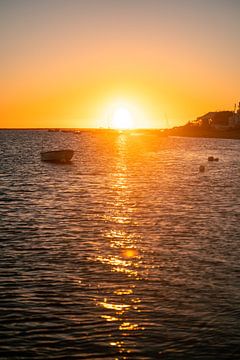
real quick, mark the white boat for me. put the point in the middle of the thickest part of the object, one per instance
(58, 156)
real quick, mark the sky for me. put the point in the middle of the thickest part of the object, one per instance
(71, 63)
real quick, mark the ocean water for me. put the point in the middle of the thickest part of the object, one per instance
(129, 252)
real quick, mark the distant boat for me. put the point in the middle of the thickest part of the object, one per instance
(57, 156)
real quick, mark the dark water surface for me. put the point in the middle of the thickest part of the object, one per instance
(127, 253)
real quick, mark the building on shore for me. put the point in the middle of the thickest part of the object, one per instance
(219, 120)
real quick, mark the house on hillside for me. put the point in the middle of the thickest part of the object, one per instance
(219, 120)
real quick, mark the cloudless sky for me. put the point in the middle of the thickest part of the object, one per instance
(64, 63)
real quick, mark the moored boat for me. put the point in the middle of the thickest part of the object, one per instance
(59, 156)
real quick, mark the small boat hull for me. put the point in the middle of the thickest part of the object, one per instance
(57, 156)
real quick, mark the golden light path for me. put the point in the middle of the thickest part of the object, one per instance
(121, 305)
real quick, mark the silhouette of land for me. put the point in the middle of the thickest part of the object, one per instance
(190, 131)
(218, 124)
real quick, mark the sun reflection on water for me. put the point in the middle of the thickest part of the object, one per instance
(122, 256)
(129, 253)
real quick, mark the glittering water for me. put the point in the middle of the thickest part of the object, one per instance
(127, 253)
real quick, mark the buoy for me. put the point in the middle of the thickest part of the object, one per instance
(201, 168)
(210, 158)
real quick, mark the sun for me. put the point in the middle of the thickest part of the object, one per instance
(122, 118)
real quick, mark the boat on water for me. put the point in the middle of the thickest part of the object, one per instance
(57, 156)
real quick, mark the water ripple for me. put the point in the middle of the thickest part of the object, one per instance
(127, 253)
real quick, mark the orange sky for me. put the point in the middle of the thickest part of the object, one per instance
(67, 63)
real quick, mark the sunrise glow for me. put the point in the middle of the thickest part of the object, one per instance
(62, 71)
(122, 119)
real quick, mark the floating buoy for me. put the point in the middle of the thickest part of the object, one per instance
(210, 158)
(201, 168)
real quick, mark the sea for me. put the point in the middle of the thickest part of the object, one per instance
(128, 252)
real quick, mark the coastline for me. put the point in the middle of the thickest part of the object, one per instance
(181, 131)
(192, 131)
